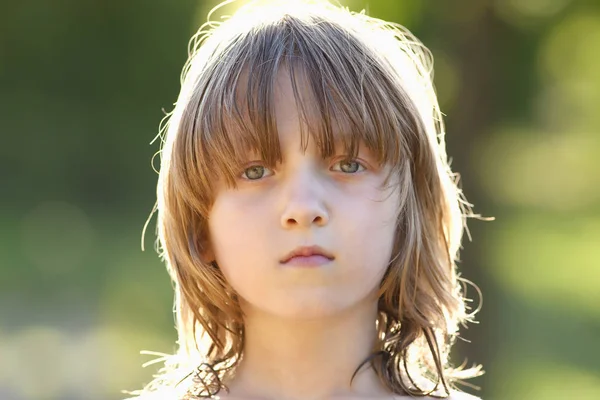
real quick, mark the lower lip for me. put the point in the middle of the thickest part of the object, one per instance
(309, 261)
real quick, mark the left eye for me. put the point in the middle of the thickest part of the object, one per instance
(348, 166)
(256, 172)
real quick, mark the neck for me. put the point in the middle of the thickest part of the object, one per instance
(290, 359)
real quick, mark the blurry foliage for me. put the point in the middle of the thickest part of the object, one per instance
(82, 89)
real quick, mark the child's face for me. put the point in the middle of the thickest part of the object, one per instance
(305, 200)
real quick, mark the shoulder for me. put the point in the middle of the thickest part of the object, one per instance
(454, 395)
(462, 396)
(154, 395)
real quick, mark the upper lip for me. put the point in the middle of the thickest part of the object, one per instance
(306, 251)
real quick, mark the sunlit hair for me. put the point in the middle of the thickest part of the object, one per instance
(356, 79)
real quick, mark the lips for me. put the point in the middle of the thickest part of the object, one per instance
(308, 252)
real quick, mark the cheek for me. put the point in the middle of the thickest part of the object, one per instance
(372, 214)
(232, 218)
(237, 236)
(368, 232)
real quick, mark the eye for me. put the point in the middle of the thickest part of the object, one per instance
(348, 166)
(256, 172)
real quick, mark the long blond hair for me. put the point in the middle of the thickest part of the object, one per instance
(375, 78)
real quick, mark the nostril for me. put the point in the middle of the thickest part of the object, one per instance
(304, 219)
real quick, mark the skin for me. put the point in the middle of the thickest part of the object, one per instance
(307, 329)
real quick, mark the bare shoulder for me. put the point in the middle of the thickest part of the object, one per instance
(453, 396)
(462, 396)
(155, 395)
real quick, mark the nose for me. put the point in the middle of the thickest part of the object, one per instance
(304, 200)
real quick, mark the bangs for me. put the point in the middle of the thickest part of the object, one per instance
(343, 91)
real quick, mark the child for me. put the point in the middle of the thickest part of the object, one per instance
(307, 214)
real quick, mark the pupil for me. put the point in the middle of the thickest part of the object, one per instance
(353, 166)
(255, 172)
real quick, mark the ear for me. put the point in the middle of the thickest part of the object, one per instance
(201, 248)
(207, 253)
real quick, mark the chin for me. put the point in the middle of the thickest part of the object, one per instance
(305, 306)
(308, 311)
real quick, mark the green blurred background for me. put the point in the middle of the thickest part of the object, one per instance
(82, 88)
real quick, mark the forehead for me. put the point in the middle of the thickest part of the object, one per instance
(313, 74)
(295, 111)
(290, 110)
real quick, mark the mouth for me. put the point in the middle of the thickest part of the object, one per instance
(307, 256)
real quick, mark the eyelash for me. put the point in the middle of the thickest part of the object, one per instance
(347, 160)
(352, 160)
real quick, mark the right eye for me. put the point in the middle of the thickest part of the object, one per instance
(256, 172)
